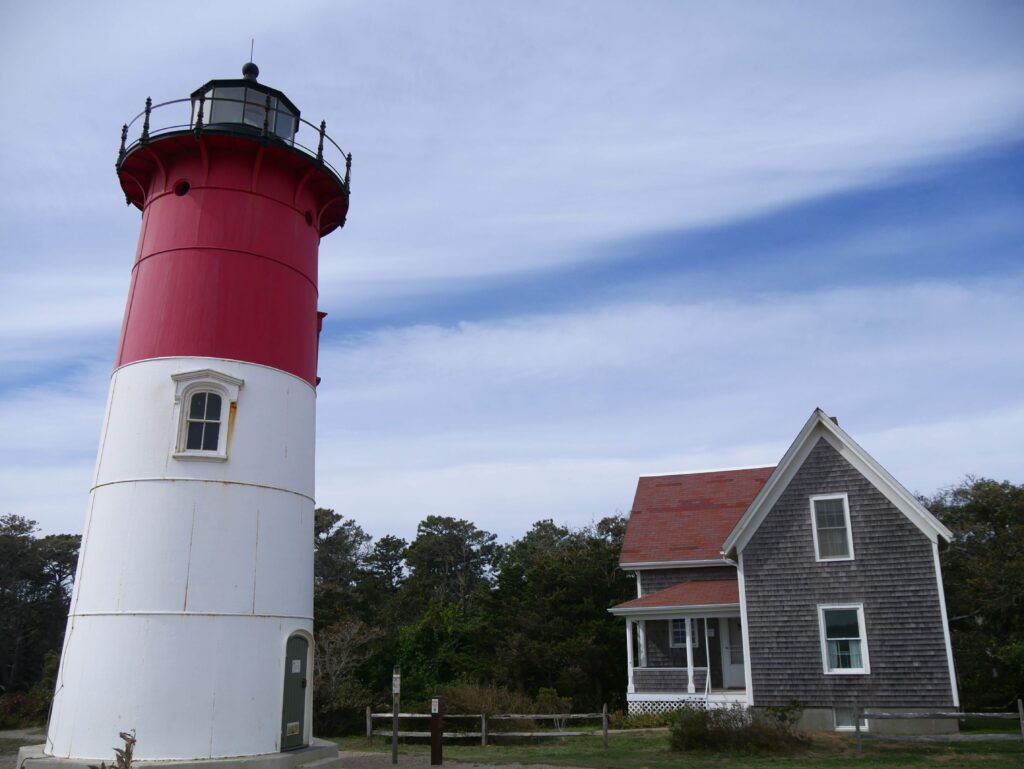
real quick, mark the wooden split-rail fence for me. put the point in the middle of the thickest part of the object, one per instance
(863, 713)
(484, 734)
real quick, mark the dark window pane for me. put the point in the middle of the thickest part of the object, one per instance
(197, 406)
(832, 543)
(211, 435)
(212, 407)
(841, 623)
(829, 513)
(194, 442)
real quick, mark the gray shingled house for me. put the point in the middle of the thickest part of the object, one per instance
(816, 580)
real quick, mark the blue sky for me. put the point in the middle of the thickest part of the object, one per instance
(587, 240)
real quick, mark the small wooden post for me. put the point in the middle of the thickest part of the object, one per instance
(396, 689)
(1020, 715)
(856, 727)
(369, 727)
(604, 725)
(436, 727)
(483, 729)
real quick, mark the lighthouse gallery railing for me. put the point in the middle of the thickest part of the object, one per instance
(198, 107)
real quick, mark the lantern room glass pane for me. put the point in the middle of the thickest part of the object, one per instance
(285, 124)
(227, 105)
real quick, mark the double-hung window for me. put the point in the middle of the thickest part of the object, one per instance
(677, 634)
(844, 645)
(204, 403)
(830, 522)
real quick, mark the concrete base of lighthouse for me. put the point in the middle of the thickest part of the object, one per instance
(319, 754)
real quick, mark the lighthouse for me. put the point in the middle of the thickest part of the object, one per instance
(191, 619)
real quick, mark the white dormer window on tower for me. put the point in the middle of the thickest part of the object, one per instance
(203, 404)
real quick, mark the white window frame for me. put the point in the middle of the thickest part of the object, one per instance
(849, 529)
(694, 638)
(190, 383)
(862, 631)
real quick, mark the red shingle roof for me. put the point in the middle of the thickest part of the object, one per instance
(687, 517)
(704, 592)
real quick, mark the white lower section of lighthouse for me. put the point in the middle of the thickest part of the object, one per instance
(196, 567)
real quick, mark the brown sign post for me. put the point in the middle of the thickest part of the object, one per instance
(435, 731)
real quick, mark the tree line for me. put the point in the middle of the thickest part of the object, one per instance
(523, 622)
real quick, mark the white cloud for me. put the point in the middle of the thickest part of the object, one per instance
(508, 422)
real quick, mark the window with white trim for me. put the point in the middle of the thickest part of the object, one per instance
(202, 429)
(830, 521)
(677, 635)
(844, 645)
(203, 403)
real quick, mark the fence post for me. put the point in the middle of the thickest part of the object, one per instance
(604, 725)
(856, 726)
(369, 727)
(483, 729)
(1020, 715)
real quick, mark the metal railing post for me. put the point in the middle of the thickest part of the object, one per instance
(124, 140)
(320, 145)
(145, 123)
(199, 116)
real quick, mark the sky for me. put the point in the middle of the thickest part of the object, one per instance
(587, 240)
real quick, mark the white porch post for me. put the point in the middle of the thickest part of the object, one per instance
(629, 655)
(689, 657)
(641, 642)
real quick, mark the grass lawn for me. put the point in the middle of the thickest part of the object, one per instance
(651, 751)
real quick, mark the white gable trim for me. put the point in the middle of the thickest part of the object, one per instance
(821, 426)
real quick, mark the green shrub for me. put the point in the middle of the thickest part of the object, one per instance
(734, 729)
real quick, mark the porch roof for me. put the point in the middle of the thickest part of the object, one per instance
(702, 593)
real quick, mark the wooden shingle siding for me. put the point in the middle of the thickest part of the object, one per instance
(653, 580)
(652, 680)
(661, 654)
(892, 575)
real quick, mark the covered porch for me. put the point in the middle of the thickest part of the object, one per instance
(685, 644)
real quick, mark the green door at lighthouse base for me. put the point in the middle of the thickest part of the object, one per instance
(293, 717)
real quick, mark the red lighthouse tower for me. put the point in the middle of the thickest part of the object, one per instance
(191, 619)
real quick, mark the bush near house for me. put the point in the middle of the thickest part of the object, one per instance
(737, 729)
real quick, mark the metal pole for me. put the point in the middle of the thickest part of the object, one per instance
(396, 689)
(604, 725)
(483, 729)
(369, 727)
(856, 727)
(1020, 715)
(320, 146)
(436, 726)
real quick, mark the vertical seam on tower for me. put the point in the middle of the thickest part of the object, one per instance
(188, 566)
(256, 559)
